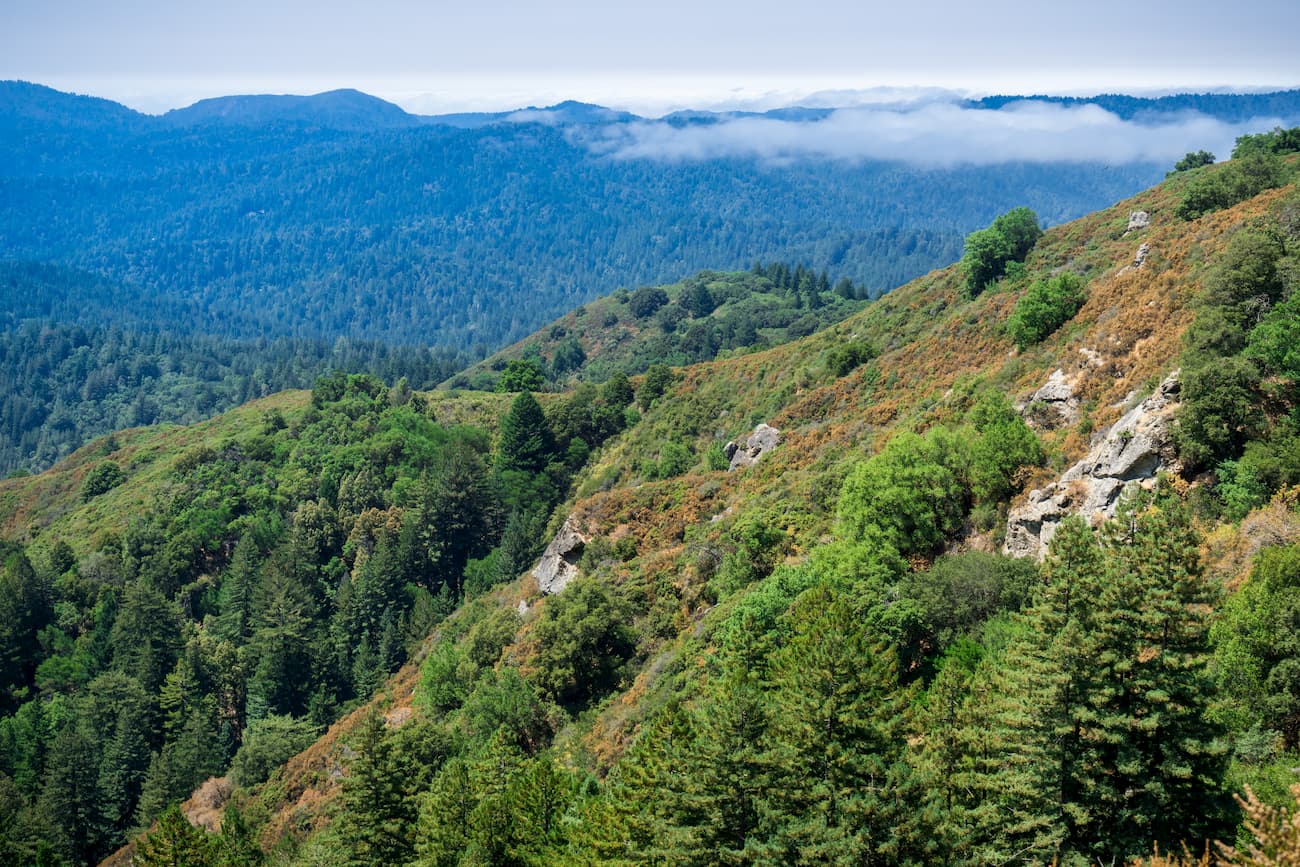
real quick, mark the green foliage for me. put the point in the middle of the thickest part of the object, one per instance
(657, 381)
(101, 479)
(843, 359)
(378, 815)
(1257, 649)
(910, 490)
(1275, 141)
(269, 743)
(1225, 186)
(525, 443)
(961, 592)
(984, 257)
(1020, 227)
(1045, 307)
(1124, 621)
(1193, 160)
(521, 374)
(175, 842)
(675, 458)
(583, 641)
(1005, 445)
(988, 251)
(646, 301)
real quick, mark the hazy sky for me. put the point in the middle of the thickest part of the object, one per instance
(649, 57)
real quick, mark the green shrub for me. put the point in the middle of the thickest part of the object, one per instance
(849, 356)
(988, 251)
(269, 743)
(103, 477)
(1235, 182)
(1045, 307)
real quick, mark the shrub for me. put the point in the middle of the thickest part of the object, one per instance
(1045, 307)
(269, 743)
(583, 640)
(102, 478)
(521, 374)
(847, 357)
(1009, 239)
(646, 300)
(1235, 182)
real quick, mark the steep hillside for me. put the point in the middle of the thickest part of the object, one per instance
(667, 543)
(736, 647)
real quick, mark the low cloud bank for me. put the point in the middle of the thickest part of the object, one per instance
(936, 135)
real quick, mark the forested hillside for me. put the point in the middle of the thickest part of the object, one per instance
(815, 656)
(289, 236)
(468, 238)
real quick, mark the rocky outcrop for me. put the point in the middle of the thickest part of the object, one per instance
(760, 442)
(1138, 220)
(1139, 258)
(1133, 450)
(559, 563)
(1054, 404)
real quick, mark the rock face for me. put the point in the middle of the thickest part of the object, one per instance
(1138, 220)
(559, 563)
(1139, 258)
(762, 440)
(1056, 395)
(1134, 449)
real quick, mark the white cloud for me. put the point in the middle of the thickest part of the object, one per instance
(936, 134)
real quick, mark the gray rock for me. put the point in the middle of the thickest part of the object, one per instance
(760, 442)
(559, 563)
(1138, 220)
(1058, 394)
(1133, 450)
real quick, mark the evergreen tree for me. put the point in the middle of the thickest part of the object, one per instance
(525, 442)
(70, 797)
(175, 843)
(379, 810)
(836, 734)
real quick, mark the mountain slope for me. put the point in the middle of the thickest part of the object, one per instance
(935, 348)
(702, 604)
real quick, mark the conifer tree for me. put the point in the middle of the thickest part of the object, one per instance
(174, 843)
(70, 797)
(379, 811)
(836, 732)
(525, 442)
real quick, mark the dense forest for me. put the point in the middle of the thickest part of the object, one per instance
(704, 317)
(69, 375)
(468, 238)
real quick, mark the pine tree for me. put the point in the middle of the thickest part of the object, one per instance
(444, 816)
(235, 622)
(525, 442)
(70, 797)
(379, 811)
(174, 843)
(836, 733)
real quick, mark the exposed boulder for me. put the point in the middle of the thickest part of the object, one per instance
(1134, 450)
(559, 563)
(1138, 220)
(1057, 397)
(762, 440)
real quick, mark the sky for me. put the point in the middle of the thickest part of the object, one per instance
(436, 56)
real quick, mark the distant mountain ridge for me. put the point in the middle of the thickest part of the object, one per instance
(350, 110)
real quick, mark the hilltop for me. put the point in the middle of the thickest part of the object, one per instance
(654, 702)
